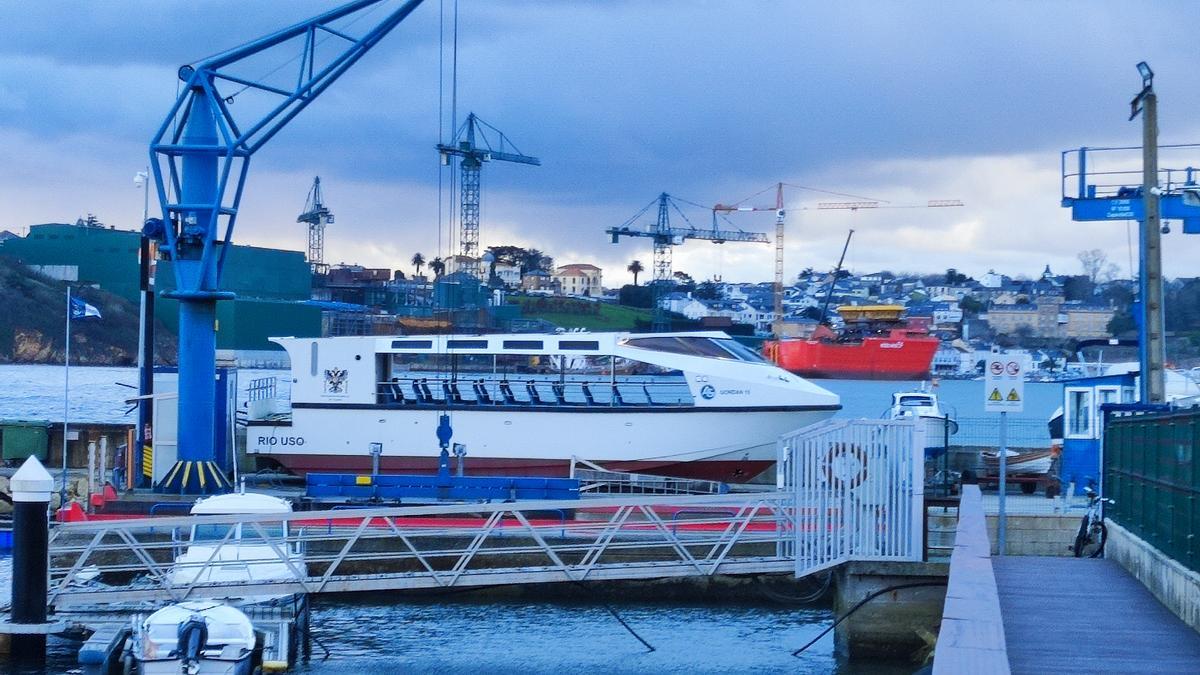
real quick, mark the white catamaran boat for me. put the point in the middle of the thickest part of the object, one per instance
(694, 405)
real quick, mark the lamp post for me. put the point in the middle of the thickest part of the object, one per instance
(144, 435)
(1151, 345)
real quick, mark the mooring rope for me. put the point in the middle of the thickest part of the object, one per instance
(862, 602)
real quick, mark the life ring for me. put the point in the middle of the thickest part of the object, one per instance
(840, 454)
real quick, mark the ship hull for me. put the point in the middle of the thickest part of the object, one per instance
(685, 443)
(907, 358)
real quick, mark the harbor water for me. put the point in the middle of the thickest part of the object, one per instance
(462, 633)
(465, 635)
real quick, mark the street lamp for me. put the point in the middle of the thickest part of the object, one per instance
(1146, 73)
(144, 436)
(1151, 345)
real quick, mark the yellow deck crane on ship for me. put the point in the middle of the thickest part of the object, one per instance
(781, 218)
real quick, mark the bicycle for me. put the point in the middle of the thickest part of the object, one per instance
(1089, 542)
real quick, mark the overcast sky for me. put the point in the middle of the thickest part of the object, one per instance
(710, 101)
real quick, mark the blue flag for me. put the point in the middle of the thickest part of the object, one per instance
(82, 310)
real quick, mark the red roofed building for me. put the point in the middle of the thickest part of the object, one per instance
(579, 279)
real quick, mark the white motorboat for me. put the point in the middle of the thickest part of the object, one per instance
(924, 406)
(201, 637)
(243, 552)
(692, 405)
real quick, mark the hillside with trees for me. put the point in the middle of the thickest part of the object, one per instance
(32, 324)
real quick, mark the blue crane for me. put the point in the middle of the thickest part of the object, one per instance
(665, 237)
(202, 147)
(471, 156)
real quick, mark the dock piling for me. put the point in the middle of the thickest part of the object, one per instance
(31, 488)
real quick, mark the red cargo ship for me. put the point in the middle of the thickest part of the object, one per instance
(874, 346)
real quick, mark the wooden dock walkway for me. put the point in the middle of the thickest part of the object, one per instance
(1080, 615)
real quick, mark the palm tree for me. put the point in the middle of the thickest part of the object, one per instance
(418, 260)
(438, 266)
(636, 268)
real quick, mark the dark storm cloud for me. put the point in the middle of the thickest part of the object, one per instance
(624, 99)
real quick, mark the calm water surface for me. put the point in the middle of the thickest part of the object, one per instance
(461, 636)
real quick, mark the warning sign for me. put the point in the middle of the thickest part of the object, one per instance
(1005, 373)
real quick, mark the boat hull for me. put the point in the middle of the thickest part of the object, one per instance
(684, 443)
(204, 666)
(874, 358)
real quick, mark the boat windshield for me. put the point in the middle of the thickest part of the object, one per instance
(714, 348)
(218, 532)
(915, 401)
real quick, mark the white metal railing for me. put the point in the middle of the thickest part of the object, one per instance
(597, 481)
(420, 547)
(848, 490)
(857, 488)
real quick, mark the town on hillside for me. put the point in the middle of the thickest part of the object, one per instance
(517, 289)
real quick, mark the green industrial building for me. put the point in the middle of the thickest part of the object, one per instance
(272, 285)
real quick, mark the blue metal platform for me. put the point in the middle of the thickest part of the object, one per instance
(424, 488)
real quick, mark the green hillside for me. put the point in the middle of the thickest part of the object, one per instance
(572, 313)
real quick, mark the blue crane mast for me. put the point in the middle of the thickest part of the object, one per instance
(472, 155)
(664, 237)
(200, 149)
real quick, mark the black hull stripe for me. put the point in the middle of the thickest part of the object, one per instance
(557, 409)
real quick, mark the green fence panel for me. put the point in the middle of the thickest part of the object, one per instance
(1150, 470)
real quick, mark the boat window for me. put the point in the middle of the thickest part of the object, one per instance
(1079, 413)
(691, 346)
(312, 366)
(578, 345)
(915, 401)
(466, 344)
(418, 363)
(629, 367)
(588, 367)
(741, 351)
(212, 532)
(475, 363)
(412, 344)
(523, 344)
(271, 530)
(521, 364)
(716, 348)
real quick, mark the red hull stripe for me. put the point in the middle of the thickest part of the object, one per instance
(729, 471)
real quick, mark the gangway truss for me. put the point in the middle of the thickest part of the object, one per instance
(848, 490)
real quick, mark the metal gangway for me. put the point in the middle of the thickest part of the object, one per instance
(848, 490)
(597, 480)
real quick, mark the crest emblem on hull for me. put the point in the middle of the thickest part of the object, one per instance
(335, 380)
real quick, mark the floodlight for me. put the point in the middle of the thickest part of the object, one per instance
(1146, 73)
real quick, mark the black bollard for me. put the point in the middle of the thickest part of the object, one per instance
(31, 487)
